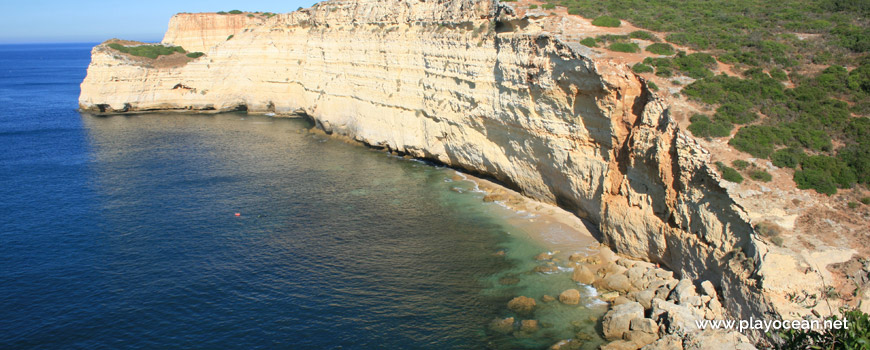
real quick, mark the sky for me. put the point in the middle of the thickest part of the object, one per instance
(53, 21)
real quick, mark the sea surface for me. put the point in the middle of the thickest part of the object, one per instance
(235, 231)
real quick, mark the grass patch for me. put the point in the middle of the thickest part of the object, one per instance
(740, 164)
(661, 49)
(589, 42)
(624, 47)
(760, 175)
(652, 86)
(533, 6)
(548, 6)
(865, 200)
(728, 173)
(642, 68)
(149, 51)
(606, 21)
(643, 35)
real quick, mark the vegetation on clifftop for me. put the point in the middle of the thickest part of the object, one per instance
(802, 94)
(149, 51)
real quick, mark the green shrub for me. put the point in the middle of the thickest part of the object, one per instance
(740, 164)
(757, 140)
(728, 173)
(221, 12)
(702, 126)
(760, 175)
(778, 74)
(852, 205)
(815, 179)
(856, 336)
(533, 6)
(787, 157)
(606, 21)
(624, 47)
(230, 37)
(661, 49)
(195, 54)
(839, 172)
(736, 112)
(250, 15)
(664, 72)
(149, 51)
(643, 35)
(652, 86)
(642, 68)
(548, 6)
(590, 42)
(235, 12)
(865, 200)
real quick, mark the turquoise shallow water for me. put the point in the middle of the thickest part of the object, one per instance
(120, 232)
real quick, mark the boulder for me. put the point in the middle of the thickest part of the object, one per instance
(609, 296)
(682, 291)
(668, 342)
(644, 325)
(543, 256)
(641, 339)
(612, 269)
(637, 277)
(620, 345)
(577, 257)
(617, 321)
(619, 300)
(678, 318)
(645, 298)
(709, 289)
(570, 297)
(617, 283)
(522, 305)
(503, 326)
(583, 275)
(717, 340)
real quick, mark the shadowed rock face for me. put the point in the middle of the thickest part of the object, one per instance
(468, 84)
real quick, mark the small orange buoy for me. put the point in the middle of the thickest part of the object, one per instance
(238, 214)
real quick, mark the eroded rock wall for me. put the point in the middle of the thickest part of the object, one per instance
(200, 31)
(440, 80)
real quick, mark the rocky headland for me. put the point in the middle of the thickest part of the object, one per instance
(473, 85)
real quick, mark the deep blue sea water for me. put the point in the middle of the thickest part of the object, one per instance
(120, 231)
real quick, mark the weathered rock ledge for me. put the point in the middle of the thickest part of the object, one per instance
(468, 84)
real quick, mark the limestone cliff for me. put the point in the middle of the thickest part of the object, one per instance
(469, 84)
(201, 31)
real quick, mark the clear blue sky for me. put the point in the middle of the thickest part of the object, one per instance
(96, 20)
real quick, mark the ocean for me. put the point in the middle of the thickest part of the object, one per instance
(121, 232)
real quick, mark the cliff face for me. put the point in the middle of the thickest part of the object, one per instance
(440, 80)
(201, 31)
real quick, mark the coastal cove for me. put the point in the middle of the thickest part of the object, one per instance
(123, 233)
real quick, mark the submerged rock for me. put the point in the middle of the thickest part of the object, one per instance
(522, 305)
(529, 326)
(503, 326)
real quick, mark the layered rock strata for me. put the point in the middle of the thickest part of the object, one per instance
(470, 85)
